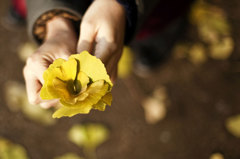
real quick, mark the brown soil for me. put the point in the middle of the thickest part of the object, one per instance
(201, 98)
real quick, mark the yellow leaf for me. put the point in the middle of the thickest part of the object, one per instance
(79, 84)
(233, 125)
(60, 89)
(89, 135)
(222, 50)
(197, 54)
(217, 156)
(100, 106)
(68, 156)
(107, 98)
(9, 150)
(125, 62)
(16, 98)
(84, 80)
(70, 69)
(26, 50)
(95, 92)
(68, 111)
(51, 71)
(92, 66)
(48, 91)
(155, 110)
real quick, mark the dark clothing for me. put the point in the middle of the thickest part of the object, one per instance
(143, 16)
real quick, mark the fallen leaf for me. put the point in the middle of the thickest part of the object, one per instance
(68, 156)
(16, 98)
(88, 136)
(25, 50)
(125, 63)
(154, 109)
(9, 150)
(210, 20)
(233, 125)
(223, 49)
(197, 54)
(216, 156)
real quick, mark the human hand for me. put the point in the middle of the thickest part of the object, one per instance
(102, 33)
(60, 42)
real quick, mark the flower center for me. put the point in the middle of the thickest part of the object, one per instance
(74, 87)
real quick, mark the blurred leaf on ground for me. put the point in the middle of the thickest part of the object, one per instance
(16, 98)
(197, 54)
(216, 156)
(89, 135)
(125, 62)
(214, 32)
(180, 50)
(9, 150)
(155, 106)
(233, 125)
(223, 49)
(26, 49)
(211, 21)
(68, 156)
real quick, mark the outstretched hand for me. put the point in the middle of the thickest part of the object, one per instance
(60, 42)
(102, 33)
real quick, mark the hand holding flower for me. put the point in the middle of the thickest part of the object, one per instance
(60, 42)
(81, 83)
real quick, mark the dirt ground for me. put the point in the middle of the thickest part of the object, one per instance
(200, 101)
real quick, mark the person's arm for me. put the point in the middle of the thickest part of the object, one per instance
(39, 12)
(103, 29)
(60, 42)
(102, 33)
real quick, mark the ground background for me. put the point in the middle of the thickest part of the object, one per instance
(201, 99)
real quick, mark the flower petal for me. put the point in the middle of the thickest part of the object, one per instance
(81, 83)
(95, 92)
(82, 96)
(47, 91)
(92, 66)
(60, 89)
(56, 64)
(99, 106)
(107, 98)
(95, 87)
(70, 69)
(67, 111)
(84, 80)
(44, 94)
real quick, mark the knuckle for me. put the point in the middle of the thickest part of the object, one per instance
(34, 100)
(45, 105)
(30, 60)
(86, 25)
(25, 70)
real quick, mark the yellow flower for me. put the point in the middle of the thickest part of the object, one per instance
(81, 83)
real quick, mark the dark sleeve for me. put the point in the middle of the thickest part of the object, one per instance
(131, 9)
(46, 9)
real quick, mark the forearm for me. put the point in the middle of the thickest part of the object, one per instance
(59, 26)
(61, 30)
(41, 11)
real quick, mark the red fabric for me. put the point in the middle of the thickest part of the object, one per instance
(162, 15)
(20, 7)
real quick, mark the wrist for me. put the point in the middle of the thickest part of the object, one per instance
(60, 31)
(59, 27)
